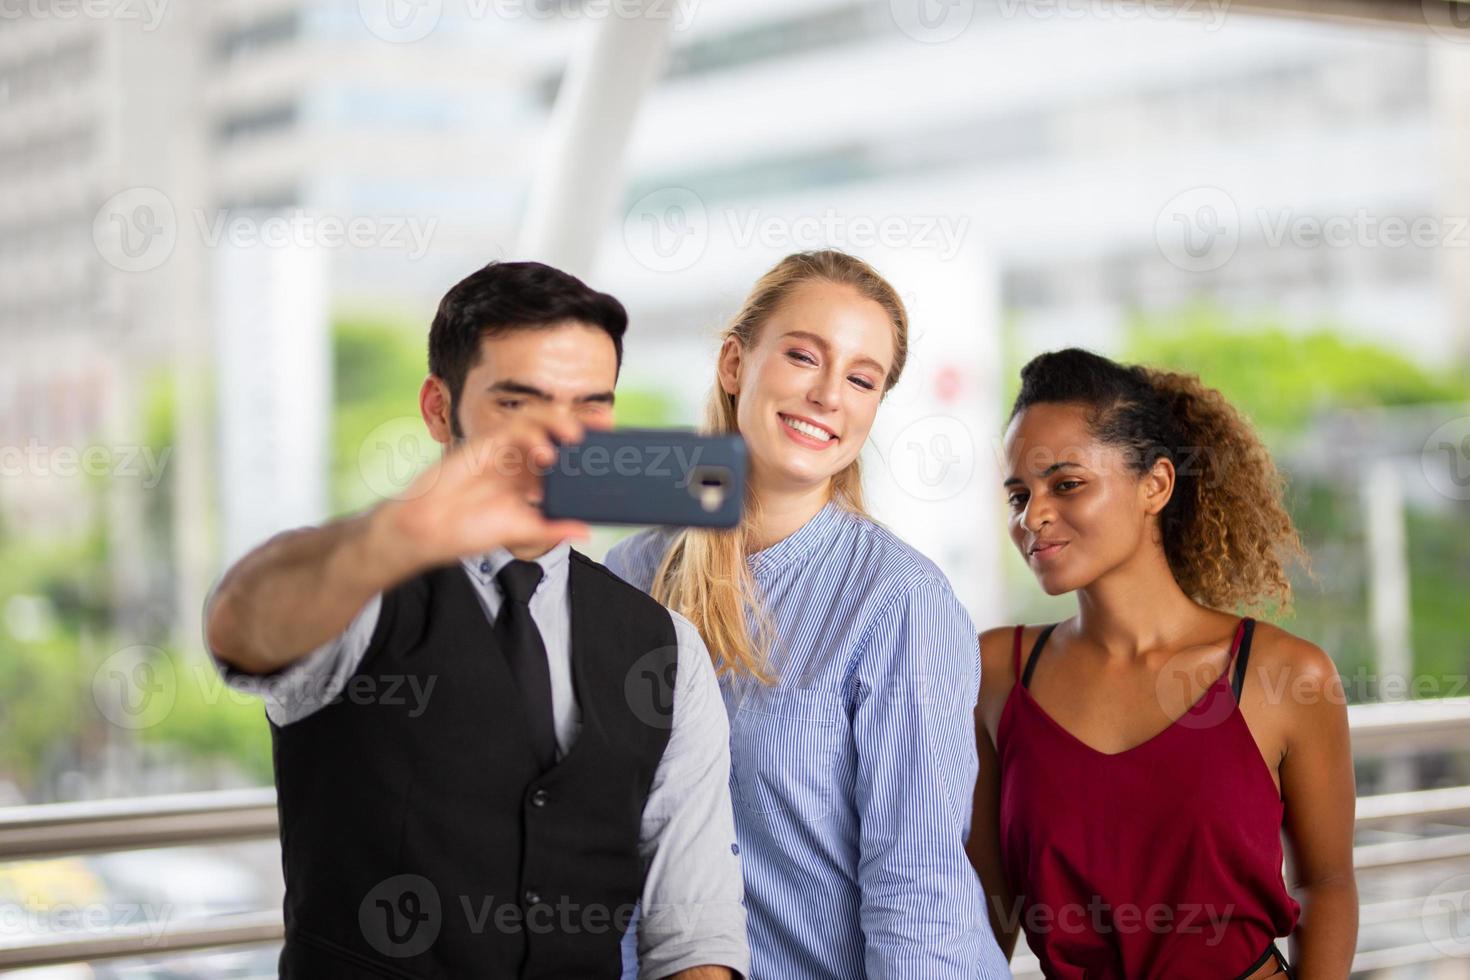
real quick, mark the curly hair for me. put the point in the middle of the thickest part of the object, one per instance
(1226, 533)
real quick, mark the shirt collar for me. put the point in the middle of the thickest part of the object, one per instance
(801, 542)
(484, 567)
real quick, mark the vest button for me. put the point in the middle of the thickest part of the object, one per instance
(539, 798)
(533, 898)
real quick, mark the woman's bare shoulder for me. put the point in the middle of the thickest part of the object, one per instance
(998, 667)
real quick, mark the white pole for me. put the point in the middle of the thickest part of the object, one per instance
(576, 187)
(1388, 597)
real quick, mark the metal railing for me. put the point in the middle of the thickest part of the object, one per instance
(55, 830)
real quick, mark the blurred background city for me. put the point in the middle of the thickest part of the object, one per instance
(225, 225)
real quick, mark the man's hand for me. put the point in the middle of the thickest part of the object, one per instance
(485, 493)
(303, 587)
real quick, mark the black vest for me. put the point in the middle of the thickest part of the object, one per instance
(419, 838)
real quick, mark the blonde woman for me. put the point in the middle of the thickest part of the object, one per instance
(848, 667)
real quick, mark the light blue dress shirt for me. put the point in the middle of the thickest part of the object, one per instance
(853, 776)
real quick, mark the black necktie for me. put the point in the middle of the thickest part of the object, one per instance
(520, 640)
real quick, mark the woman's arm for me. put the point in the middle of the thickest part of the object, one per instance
(1318, 788)
(983, 847)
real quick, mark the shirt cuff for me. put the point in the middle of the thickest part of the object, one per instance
(681, 937)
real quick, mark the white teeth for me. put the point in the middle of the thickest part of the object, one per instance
(806, 428)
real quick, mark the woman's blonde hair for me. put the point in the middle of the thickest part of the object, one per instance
(704, 574)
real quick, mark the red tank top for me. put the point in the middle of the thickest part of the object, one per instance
(1161, 861)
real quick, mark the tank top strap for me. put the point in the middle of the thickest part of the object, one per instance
(1241, 654)
(1035, 653)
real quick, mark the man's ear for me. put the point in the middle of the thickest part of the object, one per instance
(728, 367)
(435, 407)
(1158, 486)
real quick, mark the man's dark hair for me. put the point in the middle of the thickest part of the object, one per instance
(506, 296)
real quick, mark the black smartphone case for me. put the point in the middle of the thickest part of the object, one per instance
(649, 476)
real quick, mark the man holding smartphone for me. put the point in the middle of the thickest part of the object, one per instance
(478, 767)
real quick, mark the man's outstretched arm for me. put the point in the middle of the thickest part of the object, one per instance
(301, 588)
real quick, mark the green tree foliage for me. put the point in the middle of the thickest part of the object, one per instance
(1285, 380)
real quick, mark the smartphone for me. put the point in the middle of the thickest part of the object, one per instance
(649, 476)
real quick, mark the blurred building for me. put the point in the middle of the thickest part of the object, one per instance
(188, 195)
(1057, 169)
(1031, 165)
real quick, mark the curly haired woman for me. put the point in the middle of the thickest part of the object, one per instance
(1153, 748)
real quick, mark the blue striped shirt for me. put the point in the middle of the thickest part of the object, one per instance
(853, 775)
